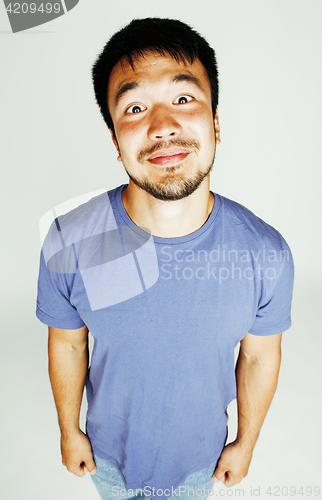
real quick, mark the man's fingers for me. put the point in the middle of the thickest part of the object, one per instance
(225, 478)
(219, 475)
(81, 469)
(90, 466)
(231, 481)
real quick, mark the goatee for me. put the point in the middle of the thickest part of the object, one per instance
(173, 187)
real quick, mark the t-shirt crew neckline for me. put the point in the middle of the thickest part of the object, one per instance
(169, 241)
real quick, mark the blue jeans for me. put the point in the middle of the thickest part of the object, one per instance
(197, 486)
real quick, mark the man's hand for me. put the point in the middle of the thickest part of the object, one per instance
(233, 465)
(77, 454)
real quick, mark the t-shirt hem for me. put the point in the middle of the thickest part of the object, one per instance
(271, 331)
(137, 485)
(58, 323)
(203, 465)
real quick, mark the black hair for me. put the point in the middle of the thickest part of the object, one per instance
(164, 36)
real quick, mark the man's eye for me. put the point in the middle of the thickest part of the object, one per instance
(182, 99)
(136, 108)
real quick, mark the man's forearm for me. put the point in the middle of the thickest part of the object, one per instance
(256, 378)
(68, 366)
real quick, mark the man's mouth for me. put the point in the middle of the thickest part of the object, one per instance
(169, 156)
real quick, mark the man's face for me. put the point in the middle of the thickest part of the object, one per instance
(165, 131)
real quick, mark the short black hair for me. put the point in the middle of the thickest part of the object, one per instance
(164, 36)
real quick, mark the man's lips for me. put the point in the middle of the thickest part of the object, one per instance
(169, 156)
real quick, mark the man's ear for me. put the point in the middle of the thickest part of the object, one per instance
(217, 127)
(115, 144)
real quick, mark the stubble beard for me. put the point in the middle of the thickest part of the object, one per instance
(173, 187)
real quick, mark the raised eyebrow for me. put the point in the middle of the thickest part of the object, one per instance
(187, 77)
(123, 89)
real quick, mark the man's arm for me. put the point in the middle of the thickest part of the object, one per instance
(68, 364)
(257, 371)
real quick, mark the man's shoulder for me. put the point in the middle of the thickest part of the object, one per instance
(87, 208)
(244, 222)
(78, 219)
(80, 211)
(85, 213)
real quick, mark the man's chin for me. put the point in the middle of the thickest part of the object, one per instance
(171, 190)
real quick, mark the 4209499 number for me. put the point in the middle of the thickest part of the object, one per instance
(284, 491)
(25, 8)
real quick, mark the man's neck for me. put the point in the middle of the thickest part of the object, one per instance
(168, 219)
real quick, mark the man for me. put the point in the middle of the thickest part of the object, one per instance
(168, 278)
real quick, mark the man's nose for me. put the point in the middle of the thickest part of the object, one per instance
(163, 124)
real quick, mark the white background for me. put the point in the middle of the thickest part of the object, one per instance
(55, 146)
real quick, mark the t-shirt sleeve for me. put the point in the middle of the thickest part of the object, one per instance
(274, 307)
(53, 300)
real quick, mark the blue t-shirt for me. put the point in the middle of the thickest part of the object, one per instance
(166, 315)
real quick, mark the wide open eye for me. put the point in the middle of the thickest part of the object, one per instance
(182, 99)
(135, 108)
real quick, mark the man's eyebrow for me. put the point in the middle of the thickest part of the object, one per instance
(181, 77)
(187, 77)
(123, 89)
